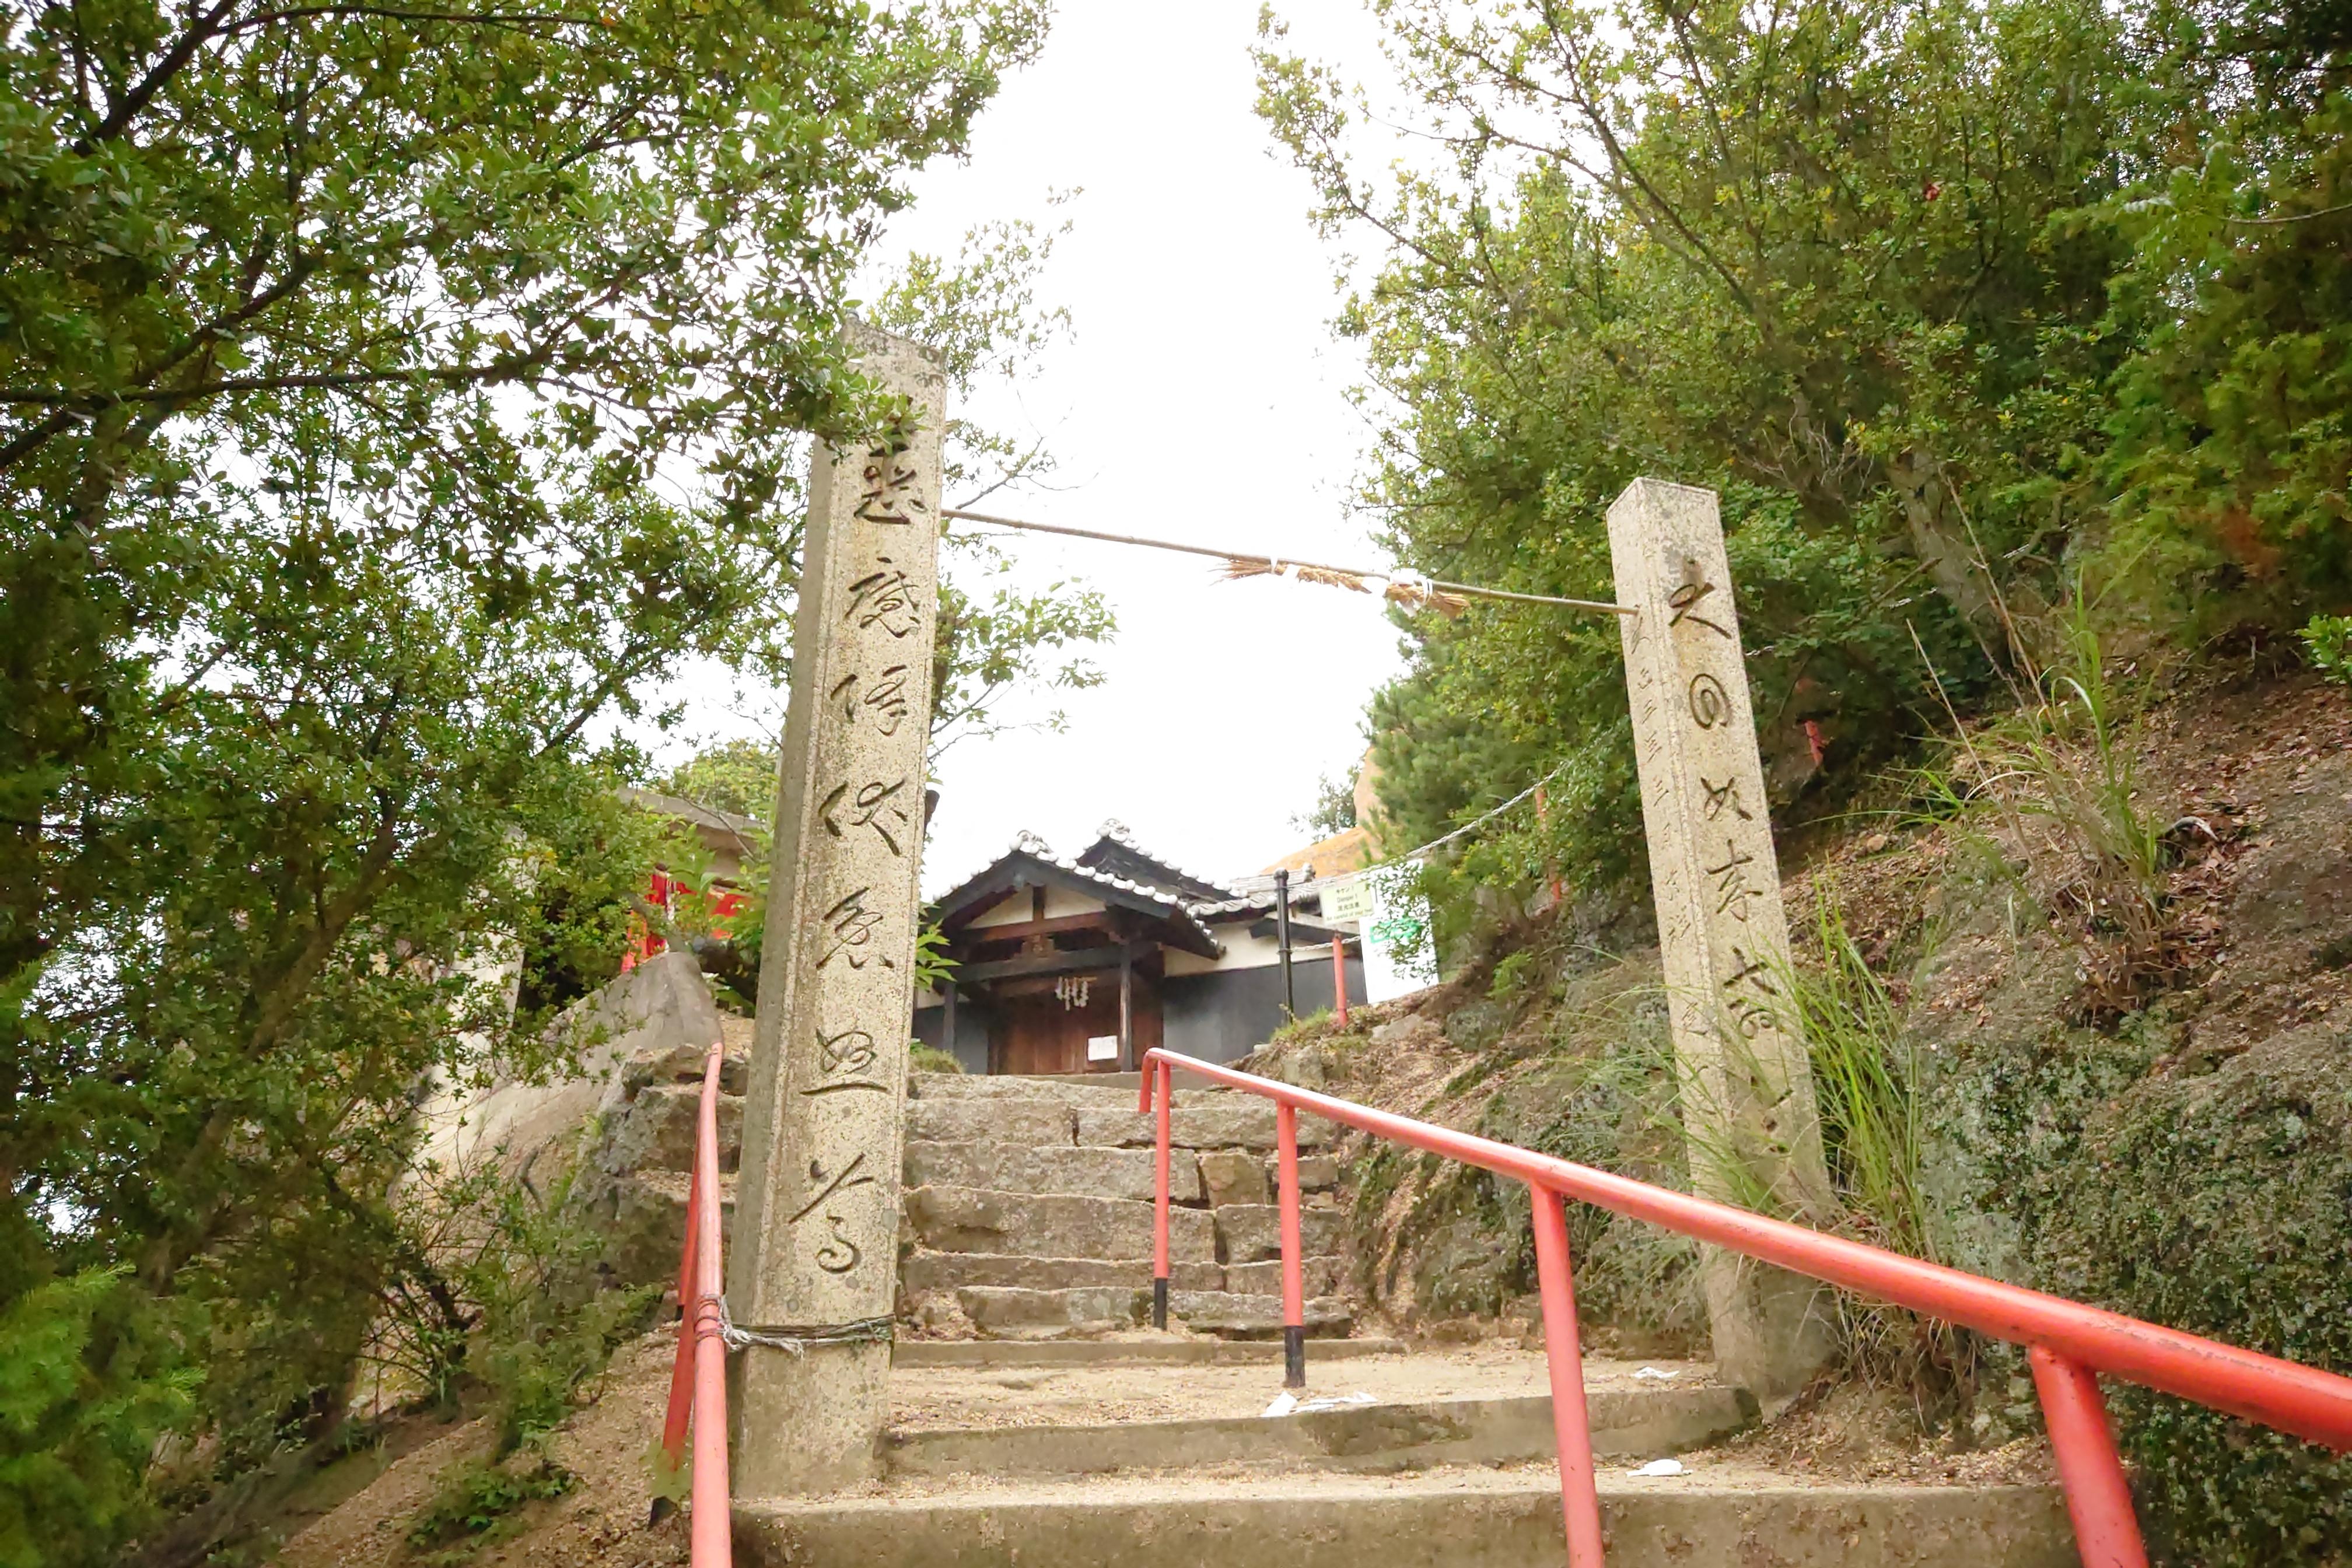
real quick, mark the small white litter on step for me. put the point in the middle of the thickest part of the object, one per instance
(1337, 1402)
(1287, 1403)
(1661, 1467)
(1656, 1375)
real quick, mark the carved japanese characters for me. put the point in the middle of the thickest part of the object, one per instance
(1748, 1093)
(814, 1251)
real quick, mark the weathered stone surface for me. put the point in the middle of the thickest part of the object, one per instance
(1318, 1275)
(1026, 1168)
(1387, 1436)
(1016, 1085)
(1023, 1120)
(656, 1130)
(823, 1114)
(682, 1063)
(1246, 1125)
(1445, 1517)
(1234, 1176)
(1250, 1233)
(999, 1310)
(657, 1009)
(1222, 1313)
(1748, 1081)
(1409, 1034)
(924, 1272)
(1317, 1172)
(966, 1219)
(640, 1219)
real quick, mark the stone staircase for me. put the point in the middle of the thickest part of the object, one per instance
(1160, 1453)
(1028, 1202)
(1029, 1212)
(1036, 1424)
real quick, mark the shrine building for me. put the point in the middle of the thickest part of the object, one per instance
(1081, 966)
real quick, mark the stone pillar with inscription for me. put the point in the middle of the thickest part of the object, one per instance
(813, 1247)
(1750, 1118)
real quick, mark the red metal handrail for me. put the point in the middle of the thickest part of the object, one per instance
(2069, 1343)
(697, 1380)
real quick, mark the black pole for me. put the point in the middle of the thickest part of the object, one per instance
(1282, 933)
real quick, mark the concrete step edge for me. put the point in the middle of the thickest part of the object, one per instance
(1386, 1436)
(1451, 1517)
(1171, 1351)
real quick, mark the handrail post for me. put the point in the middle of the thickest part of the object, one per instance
(681, 1371)
(1161, 1112)
(1580, 1499)
(1339, 979)
(710, 1533)
(2106, 1531)
(1294, 1292)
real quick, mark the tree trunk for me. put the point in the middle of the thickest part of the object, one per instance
(1940, 538)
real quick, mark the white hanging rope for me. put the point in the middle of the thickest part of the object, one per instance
(1409, 588)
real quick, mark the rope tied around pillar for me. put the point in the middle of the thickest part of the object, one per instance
(797, 1339)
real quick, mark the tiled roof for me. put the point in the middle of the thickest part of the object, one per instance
(1247, 897)
(1026, 843)
(1190, 884)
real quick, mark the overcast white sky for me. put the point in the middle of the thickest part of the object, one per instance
(1203, 399)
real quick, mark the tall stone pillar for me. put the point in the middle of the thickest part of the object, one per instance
(814, 1253)
(1749, 1117)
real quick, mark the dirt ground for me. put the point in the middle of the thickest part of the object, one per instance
(602, 1522)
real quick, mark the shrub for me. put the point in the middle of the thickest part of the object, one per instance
(478, 1503)
(84, 1394)
(2328, 640)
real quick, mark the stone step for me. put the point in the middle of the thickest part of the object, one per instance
(1092, 1089)
(1716, 1516)
(1251, 1233)
(1239, 1123)
(1011, 1313)
(1003, 1311)
(921, 1271)
(1235, 1316)
(1318, 1275)
(973, 1219)
(1149, 1350)
(1236, 1124)
(1035, 1123)
(1029, 1168)
(1409, 1434)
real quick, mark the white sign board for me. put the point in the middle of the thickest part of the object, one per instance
(1348, 899)
(1102, 1049)
(1397, 921)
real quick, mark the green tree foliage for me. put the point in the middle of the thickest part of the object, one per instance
(1335, 807)
(1959, 304)
(737, 776)
(1943, 297)
(87, 1382)
(385, 398)
(2232, 420)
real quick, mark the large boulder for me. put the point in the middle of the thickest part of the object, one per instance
(658, 1014)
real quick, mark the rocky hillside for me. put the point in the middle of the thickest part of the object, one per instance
(2149, 1107)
